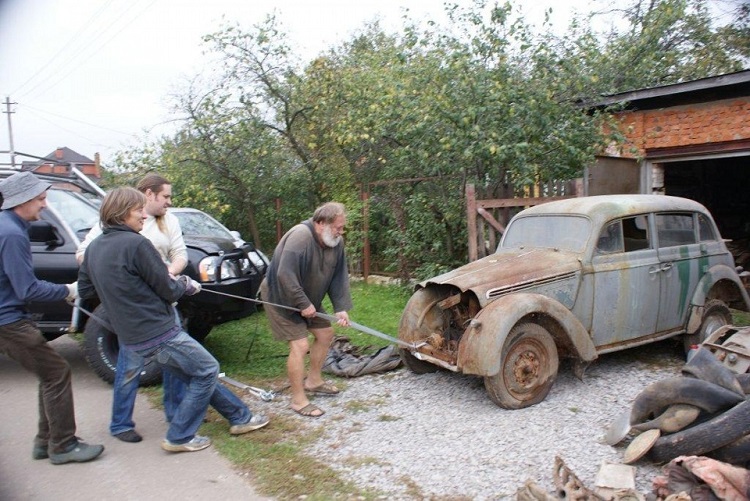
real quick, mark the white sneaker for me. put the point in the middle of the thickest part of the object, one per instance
(257, 421)
(198, 443)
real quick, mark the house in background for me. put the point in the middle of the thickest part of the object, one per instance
(691, 140)
(62, 160)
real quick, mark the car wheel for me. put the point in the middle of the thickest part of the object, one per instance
(416, 365)
(529, 364)
(100, 348)
(716, 314)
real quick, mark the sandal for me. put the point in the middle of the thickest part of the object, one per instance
(310, 410)
(323, 389)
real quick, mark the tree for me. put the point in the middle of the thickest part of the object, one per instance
(412, 116)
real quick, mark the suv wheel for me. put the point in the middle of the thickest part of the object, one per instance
(100, 347)
(196, 324)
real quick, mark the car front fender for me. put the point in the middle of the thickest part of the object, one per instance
(481, 346)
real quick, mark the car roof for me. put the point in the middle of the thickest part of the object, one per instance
(601, 208)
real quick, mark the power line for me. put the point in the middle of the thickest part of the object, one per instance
(72, 39)
(76, 120)
(67, 130)
(92, 47)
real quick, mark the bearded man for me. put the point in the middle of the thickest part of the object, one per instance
(308, 263)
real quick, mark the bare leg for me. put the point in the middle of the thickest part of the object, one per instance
(318, 354)
(295, 367)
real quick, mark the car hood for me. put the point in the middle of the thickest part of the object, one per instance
(209, 245)
(510, 271)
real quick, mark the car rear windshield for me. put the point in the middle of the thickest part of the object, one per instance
(563, 232)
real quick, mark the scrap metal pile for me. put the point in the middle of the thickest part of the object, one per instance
(704, 411)
(696, 424)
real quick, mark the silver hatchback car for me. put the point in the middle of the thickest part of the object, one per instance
(574, 278)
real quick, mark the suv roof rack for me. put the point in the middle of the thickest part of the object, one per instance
(77, 178)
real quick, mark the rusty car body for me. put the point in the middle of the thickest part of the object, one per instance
(574, 278)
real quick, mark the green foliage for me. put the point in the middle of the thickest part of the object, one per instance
(664, 42)
(411, 117)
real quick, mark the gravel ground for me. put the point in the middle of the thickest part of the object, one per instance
(438, 436)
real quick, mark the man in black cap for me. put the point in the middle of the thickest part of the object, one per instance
(24, 196)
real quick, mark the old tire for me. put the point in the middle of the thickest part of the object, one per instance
(716, 314)
(100, 348)
(657, 396)
(705, 437)
(528, 368)
(737, 452)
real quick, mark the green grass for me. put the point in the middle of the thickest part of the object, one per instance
(740, 318)
(274, 457)
(247, 351)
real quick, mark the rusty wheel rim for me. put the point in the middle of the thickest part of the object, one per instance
(525, 367)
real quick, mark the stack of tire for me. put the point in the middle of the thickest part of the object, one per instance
(703, 412)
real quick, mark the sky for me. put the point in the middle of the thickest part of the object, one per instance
(96, 75)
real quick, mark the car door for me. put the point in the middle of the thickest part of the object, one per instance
(71, 216)
(626, 283)
(682, 256)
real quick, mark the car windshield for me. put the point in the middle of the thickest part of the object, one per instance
(548, 231)
(198, 223)
(74, 209)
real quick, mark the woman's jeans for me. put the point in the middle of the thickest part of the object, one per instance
(127, 380)
(187, 360)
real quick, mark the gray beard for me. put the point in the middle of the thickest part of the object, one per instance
(328, 237)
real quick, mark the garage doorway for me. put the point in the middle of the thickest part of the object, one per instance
(721, 184)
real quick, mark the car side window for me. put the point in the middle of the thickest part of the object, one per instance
(635, 233)
(705, 229)
(675, 229)
(624, 235)
(610, 239)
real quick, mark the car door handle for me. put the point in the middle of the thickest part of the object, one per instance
(662, 268)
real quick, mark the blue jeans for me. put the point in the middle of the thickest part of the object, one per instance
(127, 378)
(187, 360)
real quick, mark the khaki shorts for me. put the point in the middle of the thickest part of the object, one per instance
(285, 329)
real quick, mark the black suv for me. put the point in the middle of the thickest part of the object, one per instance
(72, 209)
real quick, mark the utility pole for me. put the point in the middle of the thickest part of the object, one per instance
(10, 132)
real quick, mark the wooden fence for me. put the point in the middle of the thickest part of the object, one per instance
(485, 231)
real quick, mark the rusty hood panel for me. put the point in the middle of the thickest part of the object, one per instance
(511, 270)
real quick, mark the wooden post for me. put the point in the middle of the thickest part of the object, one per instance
(471, 220)
(366, 231)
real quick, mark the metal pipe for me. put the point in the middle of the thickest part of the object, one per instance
(331, 318)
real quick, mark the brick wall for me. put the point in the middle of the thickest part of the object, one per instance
(696, 124)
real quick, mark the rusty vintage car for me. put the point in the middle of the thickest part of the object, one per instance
(574, 278)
